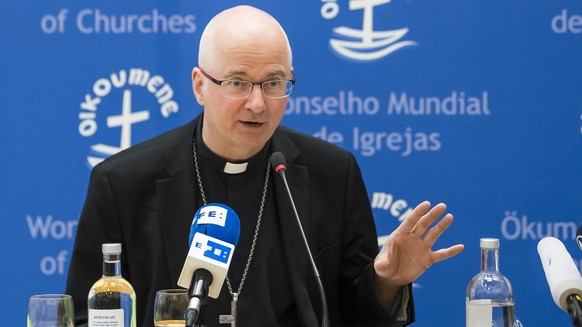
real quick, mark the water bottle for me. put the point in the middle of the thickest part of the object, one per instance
(111, 300)
(489, 298)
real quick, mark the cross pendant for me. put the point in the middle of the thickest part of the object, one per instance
(231, 318)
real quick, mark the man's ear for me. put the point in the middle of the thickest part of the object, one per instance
(197, 84)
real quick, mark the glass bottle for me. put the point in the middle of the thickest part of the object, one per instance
(111, 300)
(489, 296)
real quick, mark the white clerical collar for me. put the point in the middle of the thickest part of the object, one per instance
(235, 168)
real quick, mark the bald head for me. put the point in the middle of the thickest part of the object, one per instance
(241, 44)
(241, 27)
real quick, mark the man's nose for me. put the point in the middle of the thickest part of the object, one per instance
(256, 100)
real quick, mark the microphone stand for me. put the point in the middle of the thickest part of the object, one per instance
(574, 305)
(198, 293)
(324, 310)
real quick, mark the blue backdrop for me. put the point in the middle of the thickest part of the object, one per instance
(473, 103)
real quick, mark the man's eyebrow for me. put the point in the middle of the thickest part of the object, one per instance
(236, 73)
(277, 73)
(243, 75)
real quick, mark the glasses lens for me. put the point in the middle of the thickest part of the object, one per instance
(236, 89)
(277, 88)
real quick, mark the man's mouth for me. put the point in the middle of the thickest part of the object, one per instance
(251, 123)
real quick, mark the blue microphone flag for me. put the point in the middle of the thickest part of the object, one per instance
(216, 220)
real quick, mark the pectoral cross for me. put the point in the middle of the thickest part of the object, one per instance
(231, 318)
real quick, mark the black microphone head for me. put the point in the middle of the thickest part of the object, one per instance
(278, 161)
(579, 237)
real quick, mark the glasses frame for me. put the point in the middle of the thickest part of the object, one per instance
(219, 83)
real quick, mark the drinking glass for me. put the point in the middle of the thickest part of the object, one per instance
(170, 308)
(51, 310)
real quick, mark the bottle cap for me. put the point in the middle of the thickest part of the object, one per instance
(111, 248)
(489, 243)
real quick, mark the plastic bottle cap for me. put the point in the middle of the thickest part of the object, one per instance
(489, 243)
(111, 248)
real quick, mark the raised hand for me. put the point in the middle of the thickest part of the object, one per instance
(407, 253)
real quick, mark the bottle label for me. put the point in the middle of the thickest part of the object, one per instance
(105, 318)
(479, 313)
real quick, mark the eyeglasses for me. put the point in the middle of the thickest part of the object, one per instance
(237, 89)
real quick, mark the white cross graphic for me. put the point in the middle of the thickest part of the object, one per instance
(125, 120)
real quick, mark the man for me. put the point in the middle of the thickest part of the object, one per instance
(146, 196)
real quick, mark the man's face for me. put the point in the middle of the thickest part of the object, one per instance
(239, 128)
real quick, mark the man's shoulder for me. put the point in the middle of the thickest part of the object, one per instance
(154, 151)
(314, 152)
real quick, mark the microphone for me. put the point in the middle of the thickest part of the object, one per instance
(563, 277)
(279, 164)
(579, 237)
(213, 236)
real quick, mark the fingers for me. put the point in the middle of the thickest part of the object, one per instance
(419, 222)
(428, 219)
(434, 233)
(410, 221)
(420, 219)
(447, 253)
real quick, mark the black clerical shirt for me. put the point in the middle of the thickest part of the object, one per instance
(266, 298)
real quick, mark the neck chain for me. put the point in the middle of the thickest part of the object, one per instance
(257, 227)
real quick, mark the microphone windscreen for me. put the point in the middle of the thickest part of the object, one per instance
(216, 220)
(278, 161)
(561, 273)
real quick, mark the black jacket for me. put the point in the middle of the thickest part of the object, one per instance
(144, 198)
